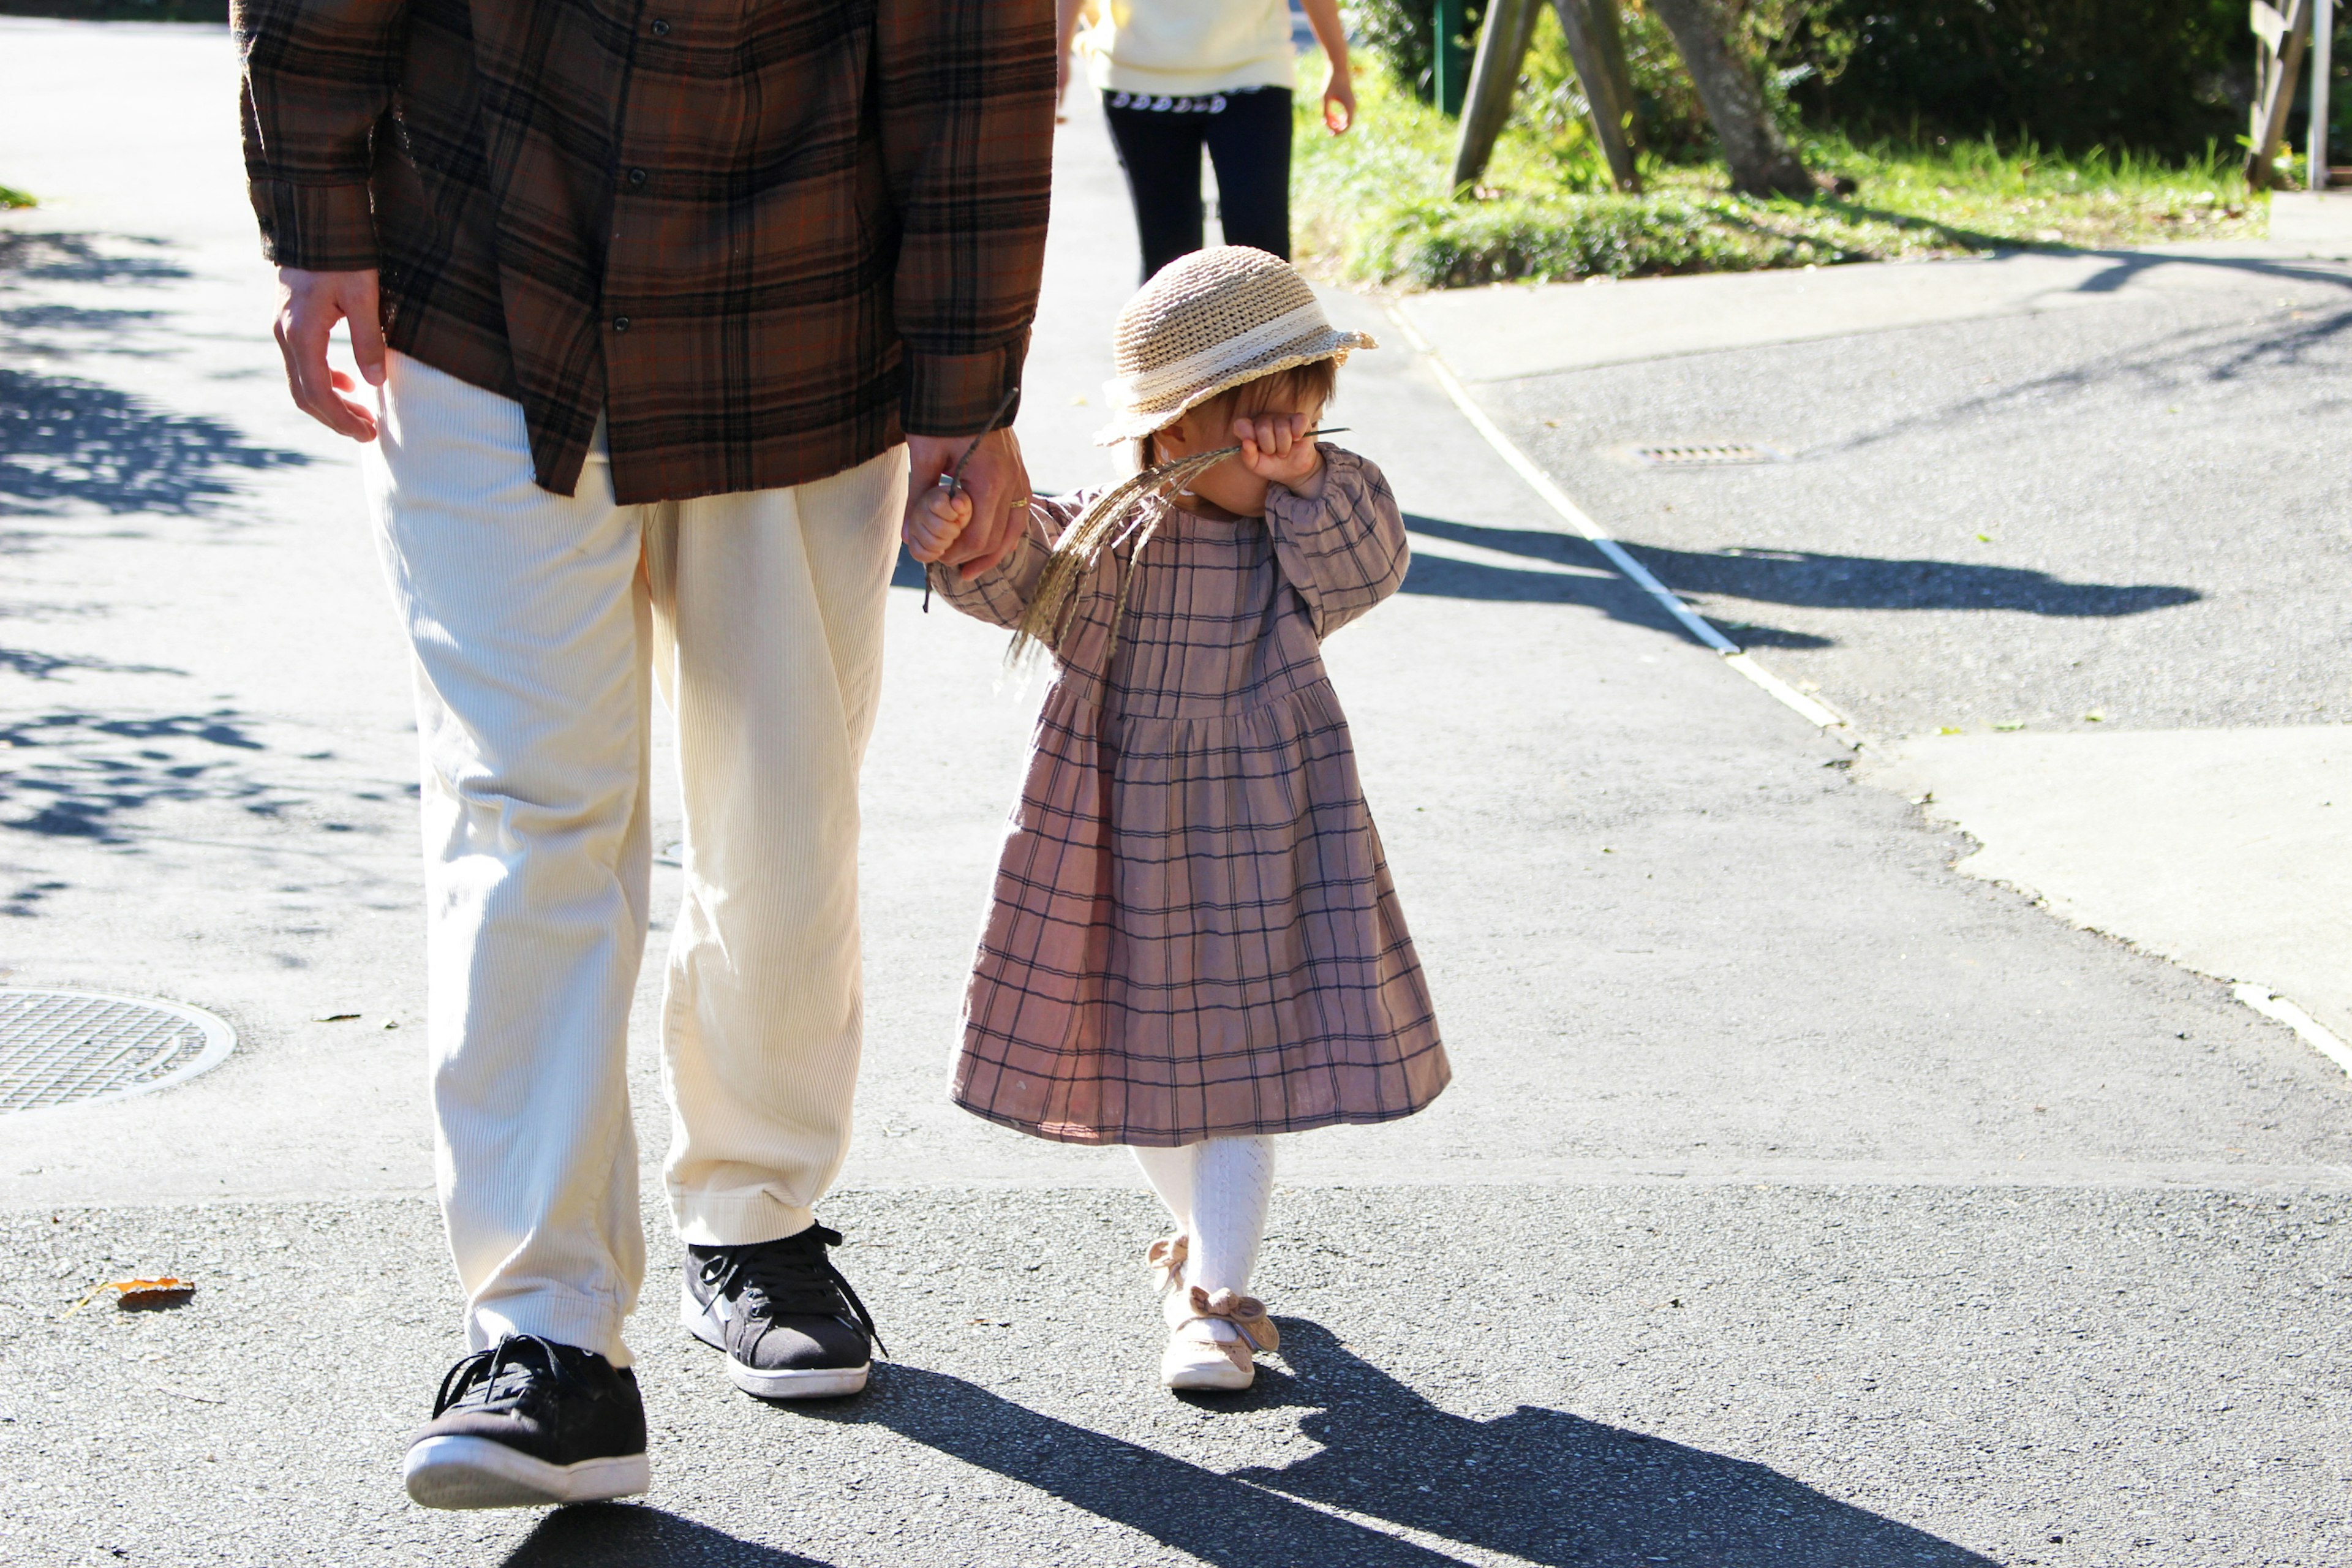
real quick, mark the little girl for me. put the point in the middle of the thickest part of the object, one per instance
(1194, 944)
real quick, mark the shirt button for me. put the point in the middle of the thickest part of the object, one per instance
(620, 323)
(636, 177)
(661, 28)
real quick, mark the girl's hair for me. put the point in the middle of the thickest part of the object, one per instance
(1301, 385)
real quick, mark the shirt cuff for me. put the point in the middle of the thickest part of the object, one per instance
(320, 228)
(954, 394)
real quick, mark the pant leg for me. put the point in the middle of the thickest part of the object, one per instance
(1161, 155)
(529, 624)
(1249, 146)
(773, 606)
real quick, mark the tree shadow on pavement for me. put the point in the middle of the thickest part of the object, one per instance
(1765, 576)
(1872, 583)
(629, 1535)
(88, 258)
(89, 772)
(1542, 1485)
(63, 440)
(1562, 570)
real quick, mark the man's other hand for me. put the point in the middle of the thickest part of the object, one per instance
(309, 306)
(998, 482)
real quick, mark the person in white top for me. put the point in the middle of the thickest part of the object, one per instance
(1181, 75)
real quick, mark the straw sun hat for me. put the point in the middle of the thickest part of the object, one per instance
(1208, 323)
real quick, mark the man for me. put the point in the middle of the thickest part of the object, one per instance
(664, 304)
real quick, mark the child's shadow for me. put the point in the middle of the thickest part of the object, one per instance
(1540, 1484)
(1554, 1488)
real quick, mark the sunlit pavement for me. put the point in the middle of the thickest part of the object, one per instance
(1797, 1202)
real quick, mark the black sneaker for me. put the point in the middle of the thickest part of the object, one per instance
(790, 1324)
(530, 1423)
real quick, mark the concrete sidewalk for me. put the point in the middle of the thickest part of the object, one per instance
(1975, 458)
(1797, 1202)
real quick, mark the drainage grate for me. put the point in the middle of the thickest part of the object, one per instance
(66, 1048)
(1707, 456)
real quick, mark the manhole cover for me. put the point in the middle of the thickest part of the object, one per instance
(1707, 456)
(64, 1048)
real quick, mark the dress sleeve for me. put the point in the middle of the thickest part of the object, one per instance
(1001, 594)
(1344, 550)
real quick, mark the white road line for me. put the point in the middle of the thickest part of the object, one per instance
(2258, 997)
(2316, 1034)
(1781, 691)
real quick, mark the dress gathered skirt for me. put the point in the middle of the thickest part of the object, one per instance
(1194, 932)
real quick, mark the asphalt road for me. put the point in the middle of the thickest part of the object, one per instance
(1741, 1377)
(1984, 1231)
(2136, 509)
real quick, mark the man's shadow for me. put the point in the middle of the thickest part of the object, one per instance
(1539, 1484)
(627, 1535)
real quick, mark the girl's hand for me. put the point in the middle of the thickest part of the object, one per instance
(1339, 100)
(936, 521)
(1275, 448)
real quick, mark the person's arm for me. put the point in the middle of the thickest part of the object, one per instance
(1067, 14)
(965, 101)
(318, 77)
(1000, 596)
(1344, 547)
(1340, 91)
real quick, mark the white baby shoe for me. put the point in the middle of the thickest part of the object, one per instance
(1214, 1341)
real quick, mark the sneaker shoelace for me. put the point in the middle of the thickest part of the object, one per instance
(793, 1276)
(508, 1375)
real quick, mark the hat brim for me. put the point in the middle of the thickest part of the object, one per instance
(1162, 412)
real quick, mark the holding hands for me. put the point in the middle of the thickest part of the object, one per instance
(967, 499)
(935, 520)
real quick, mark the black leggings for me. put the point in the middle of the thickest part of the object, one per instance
(1248, 140)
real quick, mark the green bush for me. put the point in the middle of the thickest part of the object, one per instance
(1403, 34)
(2161, 75)
(1668, 118)
(2158, 76)
(1371, 206)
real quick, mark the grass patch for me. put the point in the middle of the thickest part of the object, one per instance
(1371, 206)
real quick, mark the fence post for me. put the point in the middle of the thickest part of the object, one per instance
(2322, 48)
(1450, 63)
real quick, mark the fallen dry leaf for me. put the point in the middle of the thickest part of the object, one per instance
(142, 1295)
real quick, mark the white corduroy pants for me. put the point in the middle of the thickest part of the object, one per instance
(541, 625)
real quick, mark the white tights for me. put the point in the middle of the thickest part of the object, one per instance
(1217, 1191)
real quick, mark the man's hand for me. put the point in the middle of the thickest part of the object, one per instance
(309, 306)
(996, 479)
(1274, 449)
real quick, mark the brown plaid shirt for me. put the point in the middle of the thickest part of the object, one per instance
(765, 238)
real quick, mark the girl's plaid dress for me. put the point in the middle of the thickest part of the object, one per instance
(1193, 933)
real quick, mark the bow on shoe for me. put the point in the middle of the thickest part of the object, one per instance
(1165, 1258)
(1246, 1313)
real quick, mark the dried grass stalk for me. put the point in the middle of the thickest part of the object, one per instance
(1054, 602)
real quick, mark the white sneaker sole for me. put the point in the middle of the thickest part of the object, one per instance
(816, 1382)
(474, 1472)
